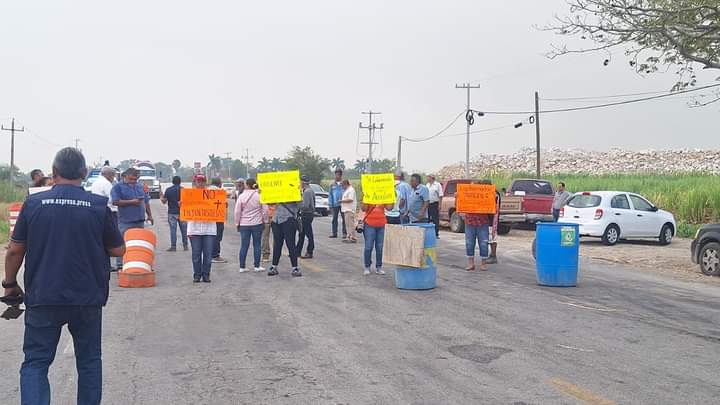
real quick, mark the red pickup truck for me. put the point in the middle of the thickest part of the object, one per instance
(527, 201)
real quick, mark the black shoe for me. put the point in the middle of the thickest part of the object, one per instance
(272, 272)
(296, 272)
(332, 236)
(196, 280)
(206, 280)
(185, 248)
(172, 249)
(307, 256)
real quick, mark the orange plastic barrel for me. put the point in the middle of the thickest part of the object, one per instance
(138, 260)
(13, 214)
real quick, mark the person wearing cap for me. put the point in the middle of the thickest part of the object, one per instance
(216, 184)
(202, 240)
(239, 188)
(436, 195)
(307, 214)
(334, 197)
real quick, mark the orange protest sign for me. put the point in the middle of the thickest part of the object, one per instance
(475, 199)
(203, 205)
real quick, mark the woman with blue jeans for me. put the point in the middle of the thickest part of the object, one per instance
(477, 228)
(202, 238)
(250, 218)
(374, 234)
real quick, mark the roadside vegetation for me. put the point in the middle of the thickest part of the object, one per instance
(9, 193)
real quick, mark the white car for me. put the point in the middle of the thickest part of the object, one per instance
(321, 200)
(616, 215)
(229, 189)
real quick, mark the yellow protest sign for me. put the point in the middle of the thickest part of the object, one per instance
(475, 198)
(378, 188)
(279, 187)
(204, 204)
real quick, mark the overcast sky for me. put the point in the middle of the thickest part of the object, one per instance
(160, 80)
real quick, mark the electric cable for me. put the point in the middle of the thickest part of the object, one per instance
(448, 126)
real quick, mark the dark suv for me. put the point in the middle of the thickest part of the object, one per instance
(706, 249)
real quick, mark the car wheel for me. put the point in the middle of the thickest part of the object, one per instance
(457, 224)
(503, 229)
(611, 236)
(666, 234)
(710, 259)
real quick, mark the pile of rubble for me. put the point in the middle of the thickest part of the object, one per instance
(614, 161)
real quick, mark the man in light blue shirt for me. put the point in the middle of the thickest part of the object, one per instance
(402, 191)
(418, 200)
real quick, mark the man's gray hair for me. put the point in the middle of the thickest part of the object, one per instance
(69, 164)
(107, 170)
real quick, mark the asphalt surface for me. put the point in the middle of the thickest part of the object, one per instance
(335, 336)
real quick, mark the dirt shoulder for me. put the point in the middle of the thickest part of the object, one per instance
(673, 259)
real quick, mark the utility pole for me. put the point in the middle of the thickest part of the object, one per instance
(77, 143)
(247, 162)
(537, 134)
(467, 86)
(12, 130)
(228, 162)
(399, 155)
(371, 127)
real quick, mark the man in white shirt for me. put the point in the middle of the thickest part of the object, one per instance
(103, 186)
(348, 206)
(436, 195)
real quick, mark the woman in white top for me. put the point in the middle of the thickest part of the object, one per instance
(202, 238)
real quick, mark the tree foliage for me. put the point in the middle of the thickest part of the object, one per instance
(308, 162)
(654, 34)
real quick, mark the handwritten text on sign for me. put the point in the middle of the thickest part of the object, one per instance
(475, 198)
(279, 187)
(202, 205)
(378, 188)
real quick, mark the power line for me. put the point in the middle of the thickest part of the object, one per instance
(591, 107)
(648, 93)
(448, 126)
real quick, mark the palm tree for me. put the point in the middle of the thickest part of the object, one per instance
(215, 164)
(338, 163)
(360, 166)
(277, 164)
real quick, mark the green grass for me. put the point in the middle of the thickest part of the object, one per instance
(9, 193)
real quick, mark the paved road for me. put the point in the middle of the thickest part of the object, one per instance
(337, 337)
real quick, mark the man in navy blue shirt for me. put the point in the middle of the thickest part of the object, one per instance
(65, 236)
(132, 201)
(171, 197)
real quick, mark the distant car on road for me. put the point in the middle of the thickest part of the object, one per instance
(705, 249)
(229, 189)
(321, 200)
(616, 215)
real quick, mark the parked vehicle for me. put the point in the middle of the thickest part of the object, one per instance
(321, 200)
(229, 190)
(616, 215)
(536, 202)
(93, 175)
(509, 206)
(705, 249)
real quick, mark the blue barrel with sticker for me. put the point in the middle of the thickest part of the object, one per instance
(557, 252)
(425, 277)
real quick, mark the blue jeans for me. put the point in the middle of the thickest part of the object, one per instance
(479, 233)
(336, 214)
(42, 334)
(202, 246)
(124, 226)
(556, 215)
(174, 221)
(218, 239)
(374, 238)
(255, 232)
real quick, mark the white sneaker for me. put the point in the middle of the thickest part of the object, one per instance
(242, 270)
(259, 269)
(380, 272)
(366, 272)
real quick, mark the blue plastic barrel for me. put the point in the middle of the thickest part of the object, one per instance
(424, 278)
(557, 250)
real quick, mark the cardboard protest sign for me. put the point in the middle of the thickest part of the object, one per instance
(378, 188)
(475, 199)
(203, 204)
(279, 187)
